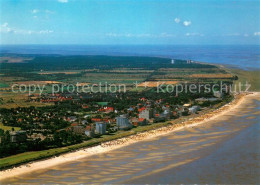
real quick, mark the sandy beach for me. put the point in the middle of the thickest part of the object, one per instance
(108, 146)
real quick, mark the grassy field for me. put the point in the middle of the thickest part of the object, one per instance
(252, 77)
(190, 74)
(3, 85)
(8, 128)
(13, 100)
(124, 77)
(156, 83)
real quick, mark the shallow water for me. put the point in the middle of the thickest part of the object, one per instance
(223, 151)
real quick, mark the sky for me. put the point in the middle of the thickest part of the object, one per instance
(130, 22)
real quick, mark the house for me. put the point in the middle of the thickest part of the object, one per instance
(142, 99)
(122, 122)
(96, 119)
(84, 122)
(106, 109)
(101, 127)
(107, 120)
(85, 106)
(72, 119)
(131, 109)
(86, 116)
(74, 124)
(141, 109)
(134, 121)
(35, 136)
(138, 121)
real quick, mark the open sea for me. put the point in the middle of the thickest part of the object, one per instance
(242, 56)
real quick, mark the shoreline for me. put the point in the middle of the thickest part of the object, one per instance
(122, 142)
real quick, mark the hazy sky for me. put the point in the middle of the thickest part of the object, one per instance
(129, 22)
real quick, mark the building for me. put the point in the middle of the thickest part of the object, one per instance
(131, 109)
(122, 122)
(142, 122)
(96, 119)
(90, 132)
(101, 127)
(194, 109)
(138, 121)
(84, 122)
(218, 94)
(172, 62)
(72, 119)
(18, 136)
(187, 105)
(201, 100)
(146, 114)
(106, 109)
(35, 136)
(134, 121)
(167, 114)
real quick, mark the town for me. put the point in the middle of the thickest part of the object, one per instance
(75, 118)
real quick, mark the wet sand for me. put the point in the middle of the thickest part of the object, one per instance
(217, 151)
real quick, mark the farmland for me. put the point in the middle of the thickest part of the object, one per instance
(145, 72)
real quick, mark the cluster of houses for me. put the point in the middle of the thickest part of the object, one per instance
(52, 98)
(145, 112)
(145, 115)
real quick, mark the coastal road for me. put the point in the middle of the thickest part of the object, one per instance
(224, 150)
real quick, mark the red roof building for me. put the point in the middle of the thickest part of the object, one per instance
(141, 109)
